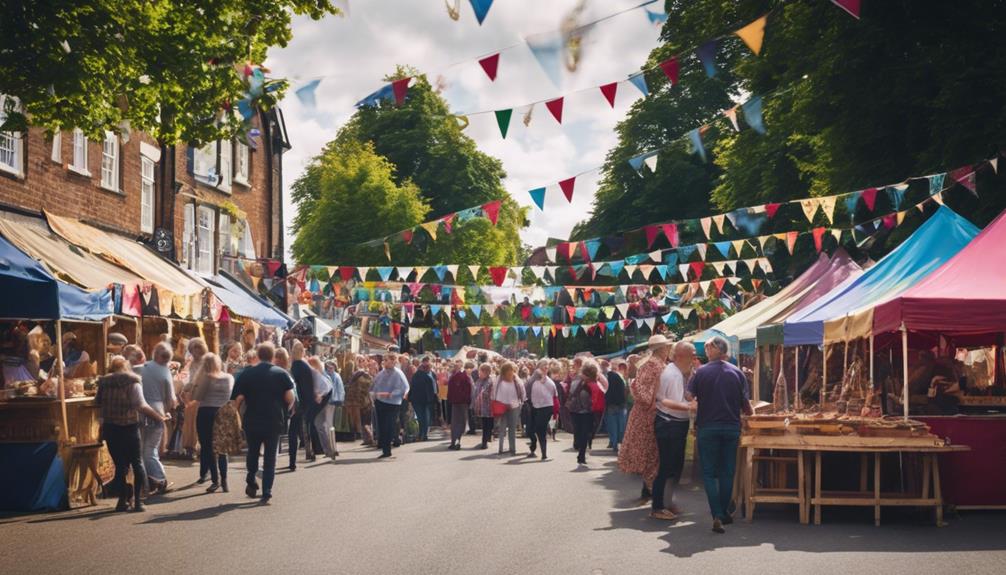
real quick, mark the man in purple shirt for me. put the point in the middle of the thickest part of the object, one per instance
(722, 394)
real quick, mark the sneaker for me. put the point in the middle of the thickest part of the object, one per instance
(531, 454)
(251, 490)
(384, 456)
(201, 480)
(718, 526)
(213, 487)
(265, 499)
(663, 515)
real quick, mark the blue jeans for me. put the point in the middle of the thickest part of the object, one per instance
(614, 421)
(718, 453)
(423, 416)
(256, 440)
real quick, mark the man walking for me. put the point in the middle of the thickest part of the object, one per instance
(459, 396)
(422, 394)
(304, 411)
(670, 428)
(615, 401)
(159, 392)
(389, 389)
(267, 392)
(722, 394)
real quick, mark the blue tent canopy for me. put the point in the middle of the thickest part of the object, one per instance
(29, 291)
(243, 303)
(937, 240)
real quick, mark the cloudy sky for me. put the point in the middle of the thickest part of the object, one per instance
(351, 56)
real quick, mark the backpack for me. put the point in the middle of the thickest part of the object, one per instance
(578, 401)
(597, 399)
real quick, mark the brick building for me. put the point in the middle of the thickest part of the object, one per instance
(199, 207)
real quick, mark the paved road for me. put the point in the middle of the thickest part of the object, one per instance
(429, 510)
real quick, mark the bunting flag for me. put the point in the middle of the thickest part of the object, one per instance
(498, 274)
(503, 120)
(731, 114)
(753, 34)
(707, 224)
(870, 198)
(718, 220)
(994, 162)
(707, 55)
(936, 183)
(656, 18)
(489, 65)
(346, 273)
(965, 176)
(809, 208)
(306, 94)
(818, 234)
(671, 233)
(492, 210)
(385, 273)
(671, 69)
(387, 251)
(696, 139)
(609, 90)
(896, 194)
(538, 197)
(481, 8)
(791, 241)
(639, 81)
(827, 205)
(555, 107)
(400, 88)
(547, 51)
(850, 203)
(431, 228)
(407, 236)
(850, 6)
(651, 235)
(697, 268)
(651, 162)
(771, 209)
(753, 113)
(567, 188)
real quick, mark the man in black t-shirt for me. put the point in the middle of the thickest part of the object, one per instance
(267, 393)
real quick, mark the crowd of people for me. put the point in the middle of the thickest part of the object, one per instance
(245, 401)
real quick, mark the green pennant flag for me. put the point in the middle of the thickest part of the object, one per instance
(503, 119)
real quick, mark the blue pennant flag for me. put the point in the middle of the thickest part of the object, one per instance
(707, 54)
(386, 92)
(671, 258)
(462, 313)
(476, 311)
(663, 270)
(538, 196)
(592, 247)
(637, 163)
(696, 139)
(536, 329)
(616, 267)
(306, 94)
(656, 17)
(481, 8)
(670, 319)
(547, 50)
(441, 271)
(752, 114)
(723, 247)
(540, 311)
(936, 183)
(750, 222)
(851, 201)
(436, 332)
(685, 252)
(467, 214)
(639, 81)
(636, 259)
(897, 195)
(521, 330)
(385, 273)
(610, 325)
(580, 313)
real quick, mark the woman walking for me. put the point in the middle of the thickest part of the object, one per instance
(196, 349)
(482, 401)
(212, 391)
(333, 413)
(638, 453)
(322, 421)
(234, 358)
(580, 405)
(543, 395)
(510, 392)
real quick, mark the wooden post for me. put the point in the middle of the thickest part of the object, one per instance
(904, 367)
(61, 388)
(796, 377)
(824, 374)
(757, 374)
(871, 361)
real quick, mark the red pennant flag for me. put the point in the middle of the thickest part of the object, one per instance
(818, 237)
(498, 274)
(697, 268)
(651, 234)
(626, 323)
(671, 232)
(870, 198)
(503, 330)
(489, 64)
(347, 272)
(791, 240)
(671, 69)
(447, 337)
(400, 88)
(447, 220)
(407, 236)
(771, 209)
(609, 92)
(492, 211)
(396, 328)
(436, 290)
(571, 312)
(719, 283)
(890, 221)
(583, 252)
(555, 106)
(755, 283)
(964, 176)
(562, 251)
(601, 326)
(850, 6)
(567, 188)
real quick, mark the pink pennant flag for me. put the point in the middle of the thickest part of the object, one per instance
(818, 238)
(964, 176)
(407, 236)
(791, 240)
(671, 69)
(732, 114)
(697, 268)
(609, 92)
(651, 235)
(555, 106)
(489, 65)
(870, 198)
(890, 221)
(850, 6)
(771, 209)
(448, 220)
(492, 210)
(400, 88)
(671, 233)
(567, 188)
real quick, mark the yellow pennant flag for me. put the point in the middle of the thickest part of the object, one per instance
(431, 228)
(718, 219)
(753, 34)
(738, 245)
(809, 208)
(901, 217)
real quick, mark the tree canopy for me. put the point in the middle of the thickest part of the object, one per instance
(168, 68)
(428, 152)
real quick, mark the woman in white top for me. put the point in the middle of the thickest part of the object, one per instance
(543, 398)
(510, 391)
(322, 393)
(211, 391)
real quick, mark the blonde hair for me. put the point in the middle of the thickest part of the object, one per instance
(211, 364)
(314, 362)
(198, 343)
(119, 364)
(589, 369)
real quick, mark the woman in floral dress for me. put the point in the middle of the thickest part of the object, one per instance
(638, 453)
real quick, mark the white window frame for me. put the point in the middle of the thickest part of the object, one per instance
(79, 163)
(57, 146)
(204, 163)
(224, 233)
(188, 236)
(242, 163)
(110, 163)
(205, 236)
(11, 143)
(225, 163)
(246, 246)
(146, 195)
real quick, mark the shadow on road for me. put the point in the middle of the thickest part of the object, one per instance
(204, 513)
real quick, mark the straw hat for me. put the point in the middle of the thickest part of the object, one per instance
(657, 341)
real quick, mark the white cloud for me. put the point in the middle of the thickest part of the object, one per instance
(352, 55)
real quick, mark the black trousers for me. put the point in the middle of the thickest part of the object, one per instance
(312, 442)
(387, 424)
(296, 427)
(209, 461)
(487, 429)
(672, 436)
(583, 428)
(539, 428)
(256, 441)
(123, 443)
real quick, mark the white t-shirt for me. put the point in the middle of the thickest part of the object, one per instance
(672, 387)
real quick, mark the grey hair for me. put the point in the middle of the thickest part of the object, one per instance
(720, 344)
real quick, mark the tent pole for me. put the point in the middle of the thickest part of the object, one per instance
(796, 376)
(757, 375)
(871, 358)
(61, 390)
(904, 367)
(824, 374)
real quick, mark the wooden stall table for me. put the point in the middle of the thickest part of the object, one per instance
(808, 445)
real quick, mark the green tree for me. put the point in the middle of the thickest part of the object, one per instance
(169, 68)
(349, 192)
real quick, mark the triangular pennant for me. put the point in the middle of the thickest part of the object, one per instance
(547, 50)
(609, 90)
(900, 217)
(939, 198)
(492, 211)
(731, 114)
(724, 248)
(476, 311)
(481, 8)
(538, 197)
(636, 163)
(720, 267)
(718, 220)
(489, 65)
(656, 256)
(387, 251)
(707, 55)
(448, 222)
(651, 235)
(453, 268)
(555, 106)
(562, 251)
(936, 183)
(431, 228)
(850, 6)
(851, 201)
(474, 270)
(400, 88)
(791, 241)
(889, 221)
(771, 209)
(503, 120)
(964, 176)
(616, 268)
(753, 34)
(697, 268)
(639, 81)
(498, 274)
(441, 272)
(706, 224)
(671, 233)
(420, 272)
(818, 234)
(762, 240)
(809, 208)
(403, 273)
(837, 234)
(896, 194)
(347, 272)
(538, 271)
(671, 69)
(870, 198)
(695, 137)
(828, 207)
(407, 236)
(385, 273)
(683, 270)
(567, 188)
(630, 270)
(738, 246)
(718, 283)
(651, 162)
(994, 162)
(701, 248)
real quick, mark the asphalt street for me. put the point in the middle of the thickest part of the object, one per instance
(430, 510)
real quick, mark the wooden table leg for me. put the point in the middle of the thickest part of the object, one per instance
(817, 487)
(937, 490)
(926, 474)
(801, 487)
(876, 488)
(864, 469)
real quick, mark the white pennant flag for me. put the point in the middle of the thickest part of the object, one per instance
(738, 246)
(403, 273)
(630, 270)
(623, 309)
(538, 271)
(420, 272)
(683, 268)
(765, 265)
(639, 323)
(837, 234)
(762, 240)
(565, 331)
(719, 267)
(550, 254)
(733, 280)
(994, 162)
(718, 219)
(687, 312)
(706, 225)
(647, 269)
(551, 271)
(362, 270)
(828, 207)
(475, 271)
(701, 248)
(705, 286)
(490, 309)
(453, 268)
(651, 162)
(650, 322)
(732, 114)
(656, 256)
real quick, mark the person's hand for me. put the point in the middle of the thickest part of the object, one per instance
(166, 417)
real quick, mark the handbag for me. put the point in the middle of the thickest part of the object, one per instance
(498, 407)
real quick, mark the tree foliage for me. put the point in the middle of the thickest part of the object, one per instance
(423, 142)
(167, 67)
